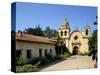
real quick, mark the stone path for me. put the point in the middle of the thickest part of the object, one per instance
(74, 62)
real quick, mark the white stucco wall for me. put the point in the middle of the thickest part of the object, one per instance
(34, 48)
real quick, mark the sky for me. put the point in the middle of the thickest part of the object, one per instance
(53, 15)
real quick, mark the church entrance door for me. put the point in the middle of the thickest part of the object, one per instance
(75, 50)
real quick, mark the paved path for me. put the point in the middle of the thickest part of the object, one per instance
(74, 62)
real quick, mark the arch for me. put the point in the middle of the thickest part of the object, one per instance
(86, 32)
(65, 33)
(61, 33)
(75, 50)
(74, 32)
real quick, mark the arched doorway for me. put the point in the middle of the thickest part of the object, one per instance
(75, 50)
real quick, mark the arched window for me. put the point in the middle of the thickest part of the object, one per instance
(61, 33)
(65, 33)
(86, 33)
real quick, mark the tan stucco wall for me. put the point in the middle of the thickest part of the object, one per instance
(34, 48)
(83, 48)
(67, 36)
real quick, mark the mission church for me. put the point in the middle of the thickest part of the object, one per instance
(76, 41)
(32, 46)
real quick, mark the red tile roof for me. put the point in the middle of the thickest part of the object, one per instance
(34, 39)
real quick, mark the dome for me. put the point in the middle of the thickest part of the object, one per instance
(87, 27)
(76, 28)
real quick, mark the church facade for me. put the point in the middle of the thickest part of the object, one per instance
(76, 41)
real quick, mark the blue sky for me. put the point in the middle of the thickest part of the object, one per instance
(32, 14)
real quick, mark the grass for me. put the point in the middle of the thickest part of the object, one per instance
(84, 54)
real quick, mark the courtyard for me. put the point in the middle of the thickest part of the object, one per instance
(73, 62)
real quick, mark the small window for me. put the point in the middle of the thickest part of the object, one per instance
(29, 54)
(40, 52)
(61, 33)
(45, 52)
(86, 32)
(65, 33)
(18, 53)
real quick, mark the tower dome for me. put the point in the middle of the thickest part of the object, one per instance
(87, 27)
(76, 28)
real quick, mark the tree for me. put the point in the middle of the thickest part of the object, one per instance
(95, 22)
(93, 43)
(29, 31)
(60, 46)
(34, 31)
(93, 40)
(48, 32)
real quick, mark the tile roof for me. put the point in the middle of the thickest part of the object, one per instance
(34, 38)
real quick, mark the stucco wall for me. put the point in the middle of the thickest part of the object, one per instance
(67, 35)
(82, 47)
(34, 48)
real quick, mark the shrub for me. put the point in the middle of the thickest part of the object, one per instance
(58, 57)
(19, 69)
(43, 61)
(33, 61)
(30, 68)
(19, 61)
(62, 56)
(83, 54)
(65, 56)
(26, 68)
(50, 57)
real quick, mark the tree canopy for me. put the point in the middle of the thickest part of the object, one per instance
(93, 42)
(34, 31)
(47, 32)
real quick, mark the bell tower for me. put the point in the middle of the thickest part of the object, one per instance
(87, 31)
(64, 32)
